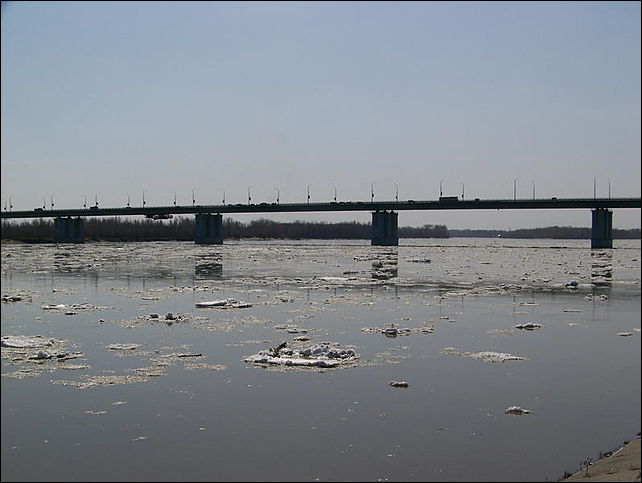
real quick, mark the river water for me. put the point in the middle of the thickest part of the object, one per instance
(181, 402)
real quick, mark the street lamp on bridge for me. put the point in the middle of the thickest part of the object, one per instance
(533, 183)
(308, 194)
(335, 193)
(515, 188)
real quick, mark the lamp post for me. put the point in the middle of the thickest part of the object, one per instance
(441, 192)
(609, 188)
(174, 199)
(335, 193)
(594, 187)
(193, 199)
(84, 205)
(462, 191)
(144, 198)
(533, 183)
(249, 196)
(96, 200)
(372, 192)
(515, 188)
(223, 196)
(278, 195)
(396, 192)
(308, 194)
(128, 200)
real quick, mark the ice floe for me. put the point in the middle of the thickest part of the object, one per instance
(324, 355)
(529, 326)
(484, 356)
(516, 410)
(229, 303)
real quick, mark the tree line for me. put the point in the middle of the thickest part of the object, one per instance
(554, 232)
(182, 229)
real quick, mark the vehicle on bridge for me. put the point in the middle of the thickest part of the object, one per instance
(448, 198)
(161, 216)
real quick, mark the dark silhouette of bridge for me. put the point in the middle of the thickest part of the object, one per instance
(208, 229)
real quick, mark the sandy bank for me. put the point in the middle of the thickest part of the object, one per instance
(623, 465)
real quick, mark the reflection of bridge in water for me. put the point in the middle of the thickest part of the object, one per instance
(208, 227)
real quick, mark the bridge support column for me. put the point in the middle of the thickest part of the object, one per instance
(208, 229)
(69, 230)
(385, 230)
(601, 236)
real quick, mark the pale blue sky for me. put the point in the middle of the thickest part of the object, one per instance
(119, 97)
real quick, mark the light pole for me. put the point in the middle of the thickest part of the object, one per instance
(515, 189)
(249, 197)
(193, 199)
(143, 198)
(84, 205)
(10, 203)
(462, 191)
(609, 188)
(52, 203)
(533, 183)
(594, 187)
(396, 192)
(335, 193)
(174, 199)
(223, 196)
(96, 200)
(278, 195)
(44, 203)
(441, 192)
(128, 200)
(308, 194)
(372, 192)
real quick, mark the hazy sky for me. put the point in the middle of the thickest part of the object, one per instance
(117, 98)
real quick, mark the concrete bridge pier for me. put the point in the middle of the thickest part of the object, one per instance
(601, 230)
(385, 229)
(69, 230)
(208, 229)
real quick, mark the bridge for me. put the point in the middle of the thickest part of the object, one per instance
(208, 229)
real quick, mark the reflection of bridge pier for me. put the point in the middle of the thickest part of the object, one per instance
(68, 230)
(601, 230)
(385, 228)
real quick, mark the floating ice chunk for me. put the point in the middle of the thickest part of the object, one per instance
(321, 355)
(528, 326)
(625, 334)
(484, 356)
(55, 307)
(491, 356)
(291, 361)
(123, 347)
(516, 410)
(25, 342)
(398, 384)
(224, 303)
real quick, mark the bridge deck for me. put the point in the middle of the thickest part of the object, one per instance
(477, 204)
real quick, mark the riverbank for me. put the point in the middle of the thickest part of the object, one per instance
(622, 465)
